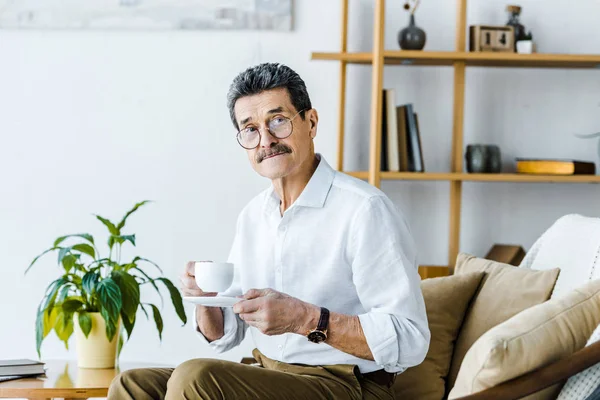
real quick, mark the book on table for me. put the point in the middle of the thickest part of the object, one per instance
(21, 367)
(555, 167)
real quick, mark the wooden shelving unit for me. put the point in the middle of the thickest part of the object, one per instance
(459, 60)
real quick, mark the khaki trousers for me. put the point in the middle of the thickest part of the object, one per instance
(218, 379)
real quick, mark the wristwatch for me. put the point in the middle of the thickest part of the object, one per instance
(320, 334)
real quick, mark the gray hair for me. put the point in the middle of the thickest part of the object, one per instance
(268, 76)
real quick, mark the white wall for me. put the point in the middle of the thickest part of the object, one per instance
(92, 122)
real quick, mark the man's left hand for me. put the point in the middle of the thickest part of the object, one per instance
(275, 313)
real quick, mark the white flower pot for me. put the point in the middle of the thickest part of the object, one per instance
(95, 351)
(525, 47)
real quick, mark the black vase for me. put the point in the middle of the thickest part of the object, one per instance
(412, 37)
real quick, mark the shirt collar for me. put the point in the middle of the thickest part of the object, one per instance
(316, 190)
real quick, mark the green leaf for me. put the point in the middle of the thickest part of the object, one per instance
(111, 329)
(62, 295)
(62, 253)
(86, 249)
(64, 327)
(175, 298)
(52, 293)
(130, 293)
(44, 323)
(71, 306)
(151, 281)
(120, 345)
(127, 324)
(39, 330)
(111, 241)
(85, 236)
(136, 259)
(111, 227)
(89, 281)
(129, 238)
(80, 268)
(134, 209)
(69, 261)
(50, 320)
(110, 301)
(144, 310)
(37, 258)
(158, 320)
(85, 322)
(121, 239)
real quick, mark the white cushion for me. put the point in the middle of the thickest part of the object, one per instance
(580, 386)
(572, 244)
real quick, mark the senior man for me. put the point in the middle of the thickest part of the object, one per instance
(325, 263)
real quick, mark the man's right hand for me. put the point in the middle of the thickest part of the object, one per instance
(209, 319)
(188, 282)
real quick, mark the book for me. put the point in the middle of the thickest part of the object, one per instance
(420, 155)
(13, 377)
(393, 159)
(21, 367)
(383, 164)
(554, 166)
(402, 138)
(415, 160)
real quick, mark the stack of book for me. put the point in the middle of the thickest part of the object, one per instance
(400, 138)
(15, 369)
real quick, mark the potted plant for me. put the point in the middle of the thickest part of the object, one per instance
(98, 296)
(526, 45)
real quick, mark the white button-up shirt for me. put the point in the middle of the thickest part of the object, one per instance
(342, 245)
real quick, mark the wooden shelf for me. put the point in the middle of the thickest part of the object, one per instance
(353, 58)
(477, 59)
(466, 177)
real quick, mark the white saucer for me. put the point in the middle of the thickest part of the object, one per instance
(217, 301)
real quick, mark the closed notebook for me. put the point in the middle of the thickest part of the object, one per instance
(21, 367)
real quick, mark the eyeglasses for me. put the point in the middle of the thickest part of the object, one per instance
(279, 127)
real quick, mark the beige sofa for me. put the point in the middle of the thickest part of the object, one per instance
(505, 332)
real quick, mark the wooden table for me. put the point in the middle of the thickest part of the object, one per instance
(64, 379)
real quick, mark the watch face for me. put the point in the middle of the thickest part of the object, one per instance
(317, 336)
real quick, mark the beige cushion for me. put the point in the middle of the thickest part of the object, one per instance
(504, 291)
(446, 300)
(533, 338)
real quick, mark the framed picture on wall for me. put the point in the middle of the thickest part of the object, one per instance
(273, 15)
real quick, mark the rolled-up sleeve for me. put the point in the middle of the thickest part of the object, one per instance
(234, 329)
(385, 274)
(234, 332)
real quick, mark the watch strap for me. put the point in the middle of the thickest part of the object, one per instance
(323, 320)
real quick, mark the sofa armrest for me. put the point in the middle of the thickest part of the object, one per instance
(541, 378)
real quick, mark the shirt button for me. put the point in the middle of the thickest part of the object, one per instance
(279, 346)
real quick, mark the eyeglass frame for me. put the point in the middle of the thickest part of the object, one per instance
(238, 134)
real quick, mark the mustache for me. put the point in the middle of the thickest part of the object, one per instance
(278, 148)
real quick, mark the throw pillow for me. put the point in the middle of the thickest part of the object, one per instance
(581, 386)
(446, 300)
(531, 339)
(505, 291)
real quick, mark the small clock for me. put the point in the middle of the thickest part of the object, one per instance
(492, 38)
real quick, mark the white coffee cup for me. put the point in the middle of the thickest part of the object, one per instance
(213, 276)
